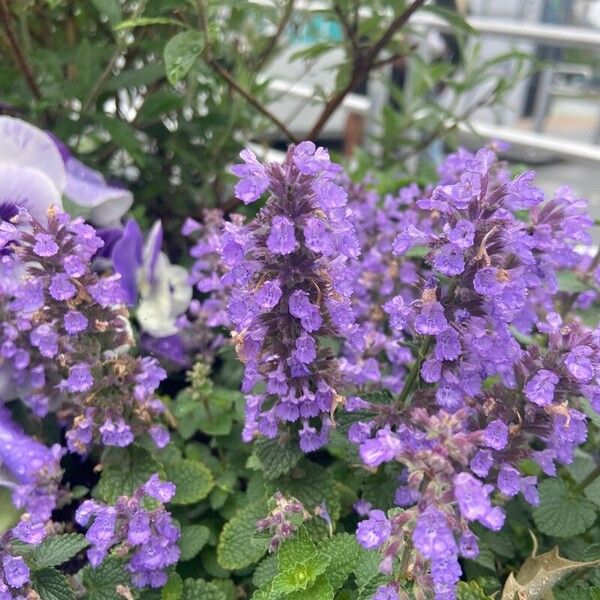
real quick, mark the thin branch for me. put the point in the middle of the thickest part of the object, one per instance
(16, 50)
(105, 75)
(349, 29)
(264, 56)
(234, 85)
(229, 79)
(362, 67)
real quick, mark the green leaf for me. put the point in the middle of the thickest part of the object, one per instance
(238, 546)
(265, 571)
(198, 589)
(560, 513)
(579, 591)
(56, 550)
(193, 539)
(147, 22)
(343, 551)
(51, 585)
(367, 574)
(110, 8)
(300, 576)
(181, 53)
(295, 550)
(275, 458)
(101, 582)
(451, 16)
(470, 590)
(321, 590)
(125, 469)
(193, 480)
(173, 590)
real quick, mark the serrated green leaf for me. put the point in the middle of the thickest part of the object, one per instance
(295, 550)
(561, 513)
(198, 589)
(579, 591)
(367, 567)
(343, 551)
(193, 539)
(193, 480)
(173, 589)
(101, 582)
(276, 459)
(321, 590)
(125, 469)
(51, 585)
(238, 546)
(470, 590)
(181, 53)
(592, 552)
(265, 571)
(56, 550)
(300, 576)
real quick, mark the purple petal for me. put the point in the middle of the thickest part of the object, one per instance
(127, 259)
(86, 188)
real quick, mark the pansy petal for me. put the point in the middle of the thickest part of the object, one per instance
(127, 257)
(28, 188)
(103, 204)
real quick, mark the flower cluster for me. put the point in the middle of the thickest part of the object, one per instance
(200, 327)
(489, 275)
(64, 334)
(379, 277)
(148, 535)
(282, 522)
(29, 469)
(290, 288)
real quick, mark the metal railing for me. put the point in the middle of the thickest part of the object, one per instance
(539, 33)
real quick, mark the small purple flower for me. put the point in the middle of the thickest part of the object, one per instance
(374, 531)
(282, 239)
(540, 388)
(253, 178)
(449, 260)
(80, 379)
(61, 287)
(45, 245)
(495, 435)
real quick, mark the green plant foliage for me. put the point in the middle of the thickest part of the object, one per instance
(102, 582)
(193, 480)
(124, 470)
(193, 539)
(563, 512)
(238, 547)
(54, 551)
(50, 584)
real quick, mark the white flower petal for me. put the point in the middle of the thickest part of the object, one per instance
(23, 144)
(28, 188)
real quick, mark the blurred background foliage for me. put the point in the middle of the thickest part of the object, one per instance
(161, 95)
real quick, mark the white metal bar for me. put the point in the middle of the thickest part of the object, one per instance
(354, 103)
(552, 144)
(551, 35)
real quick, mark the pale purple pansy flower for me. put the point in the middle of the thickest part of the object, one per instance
(162, 290)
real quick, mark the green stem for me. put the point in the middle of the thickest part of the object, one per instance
(594, 474)
(413, 374)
